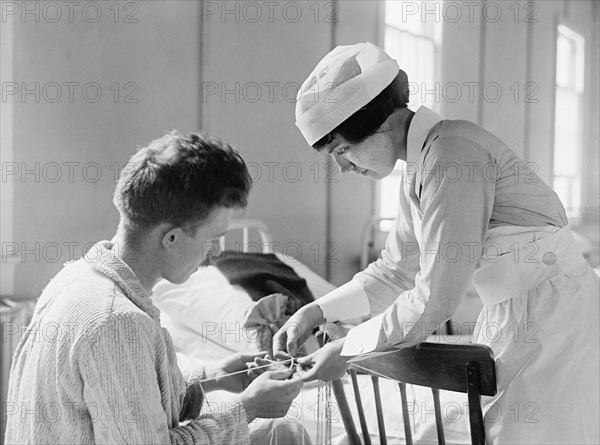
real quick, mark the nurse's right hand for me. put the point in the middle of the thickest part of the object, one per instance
(296, 331)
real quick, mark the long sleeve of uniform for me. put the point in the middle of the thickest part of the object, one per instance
(370, 292)
(453, 199)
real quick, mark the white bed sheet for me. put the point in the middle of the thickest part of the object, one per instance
(204, 314)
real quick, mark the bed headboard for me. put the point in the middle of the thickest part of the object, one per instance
(374, 232)
(247, 235)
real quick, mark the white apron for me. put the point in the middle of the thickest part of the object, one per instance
(541, 319)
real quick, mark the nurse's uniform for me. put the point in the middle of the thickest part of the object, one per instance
(543, 316)
(470, 210)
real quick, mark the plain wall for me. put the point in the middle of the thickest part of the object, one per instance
(253, 65)
(75, 147)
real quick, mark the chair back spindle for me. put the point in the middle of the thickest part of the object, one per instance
(473, 393)
(359, 408)
(379, 409)
(468, 369)
(340, 397)
(405, 418)
(438, 416)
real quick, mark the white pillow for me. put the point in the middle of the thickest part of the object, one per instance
(204, 315)
(317, 284)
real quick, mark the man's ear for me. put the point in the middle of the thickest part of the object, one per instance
(172, 237)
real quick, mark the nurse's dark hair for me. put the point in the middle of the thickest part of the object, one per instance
(180, 179)
(368, 119)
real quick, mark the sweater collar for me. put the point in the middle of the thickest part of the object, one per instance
(103, 258)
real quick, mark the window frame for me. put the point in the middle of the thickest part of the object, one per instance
(573, 210)
(436, 40)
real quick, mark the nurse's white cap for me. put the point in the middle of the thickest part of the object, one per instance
(343, 82)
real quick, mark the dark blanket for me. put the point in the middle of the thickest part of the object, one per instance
(263, 274)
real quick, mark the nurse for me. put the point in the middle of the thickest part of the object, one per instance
(470, 210)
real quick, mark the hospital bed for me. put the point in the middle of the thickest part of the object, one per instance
(205, 317)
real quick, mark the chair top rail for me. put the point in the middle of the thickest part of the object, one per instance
(435, 365)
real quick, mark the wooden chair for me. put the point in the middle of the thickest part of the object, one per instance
(463, 368)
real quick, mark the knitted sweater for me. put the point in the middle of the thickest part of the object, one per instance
(95, 366)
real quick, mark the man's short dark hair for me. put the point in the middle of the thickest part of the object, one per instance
(180, 179)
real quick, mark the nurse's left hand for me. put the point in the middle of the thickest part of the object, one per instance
(324, 364)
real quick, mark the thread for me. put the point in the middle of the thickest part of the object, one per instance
(291, 360)
(273, 440)
(323, 403)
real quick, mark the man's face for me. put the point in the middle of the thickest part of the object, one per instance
(190, 252)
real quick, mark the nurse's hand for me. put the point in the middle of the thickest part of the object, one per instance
(325, 364)
(296, 330)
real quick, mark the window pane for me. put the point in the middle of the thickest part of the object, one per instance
(562, 187)
(417, 18)
(564, 62)
(430, 88)
(410, 37)
(393, 14)
(567, 130)
(388, 201)
(416, 56)
(393, 43)
(566, 142)
(570, 59)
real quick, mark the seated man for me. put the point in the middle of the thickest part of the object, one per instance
(108, 373)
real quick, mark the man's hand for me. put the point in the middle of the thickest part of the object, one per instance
(296, 330)
(270, 395)
(325, 364)
(219, 377)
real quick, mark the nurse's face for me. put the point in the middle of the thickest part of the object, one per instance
(374, 157)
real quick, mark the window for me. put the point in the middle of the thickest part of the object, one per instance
(9, 260)
(568, 119)
(413, 37)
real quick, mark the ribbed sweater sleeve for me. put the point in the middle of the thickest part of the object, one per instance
(128, 352)
(95, 366)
